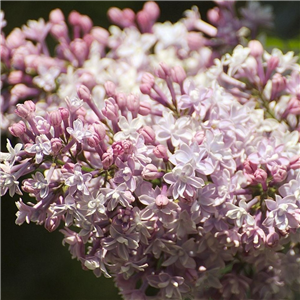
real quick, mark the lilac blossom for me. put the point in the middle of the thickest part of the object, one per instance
(41, 147)
(77, 180)
(284, 213)
(159, 204)
(13, 152)
(128, 128)
(170, 128)
(183, 179)
(171, 286)
(8, 181)
(268, 154)
(46, 78)
(169, 151)
(38, 183)
(120, 194)
(239, 214)
(194, 155)
(79, 132)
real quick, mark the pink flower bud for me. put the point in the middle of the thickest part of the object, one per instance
(293, 106)
(295, 162)
(121, 99)
(93, 141)
(160, 151)
(88, 80)
(15, 39)
(110, 88)
(4, 53)
(249, 167)
(100, 34)
(278, 84)
(128, 15)
(260, 176)
(52, 223)
(85, 23)
(56, 145)
(21, 91)
(150, 172)
(214, 15)
(143, 20)
(161, 200)
(15, 77)
(145, 88)
(18, 59)
(256, 48)
(111, 109)
(89, 39)
(178, 74)
(163, 71)
(145, 108)
(199, 137)
(56, 16)
(148, 133)
(107, 160)
(148, 78)
(117, 148)
(25, 110)
(84, 93)
(272, 63)
(279, 173)
(55, 118)
(80, 49)
(195, 40)
(133, 103)
(152, 10)
(127, 147)
(60, 31)
(17, 129)
(28, 187)
(81, 113)
(74, 18)
(64, 113)
(115, 15)
(99, 129)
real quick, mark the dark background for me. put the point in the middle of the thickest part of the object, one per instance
(35, 265)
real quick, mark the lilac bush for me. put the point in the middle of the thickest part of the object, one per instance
(167, 155)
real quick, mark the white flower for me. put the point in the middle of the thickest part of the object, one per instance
(13, 152)
(286, 61)
(8, 181)
(128, 129)
(41, 147)
(237, 59)
(175, 129)
(169, 34)
(135, 47)
(77, 180)
(79, 132)
(46, 78)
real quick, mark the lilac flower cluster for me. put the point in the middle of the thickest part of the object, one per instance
(168, 155)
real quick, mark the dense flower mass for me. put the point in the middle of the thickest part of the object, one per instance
(168, 155)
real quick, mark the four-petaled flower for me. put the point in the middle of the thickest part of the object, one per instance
(41, 147)
(76, 181)
(183, 179)
(284, 213)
